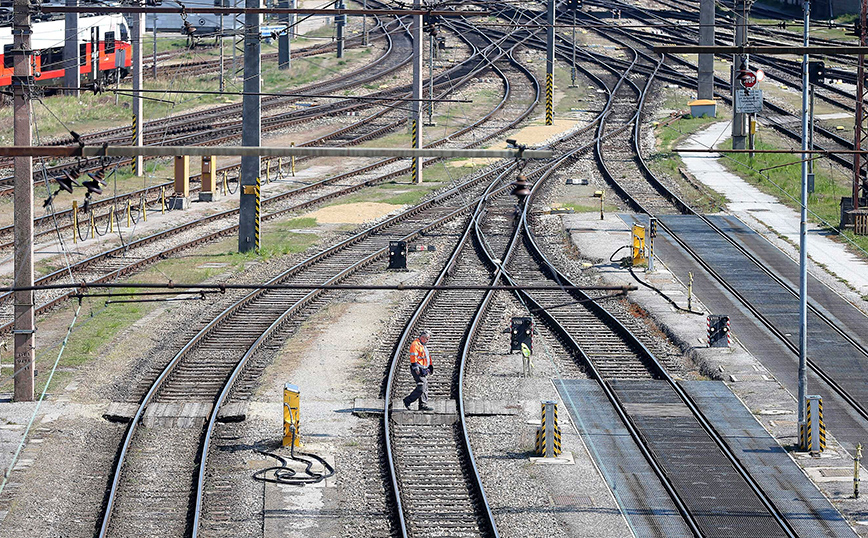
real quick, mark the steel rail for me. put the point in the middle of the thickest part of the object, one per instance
(246, 300)
(403, 341)
(224, 214)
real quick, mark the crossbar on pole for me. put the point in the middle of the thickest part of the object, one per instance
(245, 151)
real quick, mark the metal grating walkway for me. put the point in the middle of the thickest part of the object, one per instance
(807, 510)
(841, 360)
(645, 504)
(720, 500)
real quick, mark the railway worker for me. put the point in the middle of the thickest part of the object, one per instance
(420, 368)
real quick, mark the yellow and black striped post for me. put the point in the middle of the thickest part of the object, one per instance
(75, 221)
(548, 436)
(415, 169)
(550, 86)
(135, 143)
(256, 215)
(550, 61)
(815, 429)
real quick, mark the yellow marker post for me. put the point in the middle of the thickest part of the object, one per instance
(225, 182)
(112, 220)
(163, 200)
(291, 404)
(92, 226)
(75, 221)
(292, 160)
(638, 245)
(599, 194)
(856, 461)
(689, 291)
(129, 213)
(144, 210)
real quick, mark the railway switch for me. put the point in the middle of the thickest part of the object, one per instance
(815, 428)
(520, 332)
(291, 403)
(718, 330)
(181, 199)
(398, 255)
(638, 250)
(209, 179)
(548, 436)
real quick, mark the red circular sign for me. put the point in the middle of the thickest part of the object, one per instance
(748, 79)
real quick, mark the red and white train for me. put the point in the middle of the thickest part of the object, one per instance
(108, 34)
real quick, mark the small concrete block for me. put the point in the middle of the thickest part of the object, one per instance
(176, 203)
(491, 407)
(120, 412)
(208, 196)
(566, 458)
(371, 406)
(234, 412)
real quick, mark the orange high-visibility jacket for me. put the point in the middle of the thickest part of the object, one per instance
(419, 354)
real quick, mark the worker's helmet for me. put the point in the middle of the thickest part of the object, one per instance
(426, 333)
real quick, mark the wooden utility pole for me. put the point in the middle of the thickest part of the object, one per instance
(23, 324)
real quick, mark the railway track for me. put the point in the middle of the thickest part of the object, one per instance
(124, 259)
(203, 370)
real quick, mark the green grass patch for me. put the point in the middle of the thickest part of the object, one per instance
(784, 183)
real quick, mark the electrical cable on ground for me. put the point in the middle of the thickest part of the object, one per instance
(283, 474)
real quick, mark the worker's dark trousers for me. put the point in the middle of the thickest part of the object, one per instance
(421, 391)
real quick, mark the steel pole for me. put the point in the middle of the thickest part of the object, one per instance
(154, 58)
(340, 23)
(803, 245)
(550, 62)
(283, 39)
(739, 133)
(70, 52)
(416, 105)
(705, 89)
(24, 322)
(431, 79)
(222, 61)
(248, 224)
(365, 24)
(137, 31)
(573, 65)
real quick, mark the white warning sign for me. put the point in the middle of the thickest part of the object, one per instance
(748, 102)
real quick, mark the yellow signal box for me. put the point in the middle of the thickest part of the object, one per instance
(638, 245)
(291, 404)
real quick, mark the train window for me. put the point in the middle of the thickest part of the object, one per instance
(8, 59)
(125, 36)
(109, 42)
(82, 54)
(52, 58)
